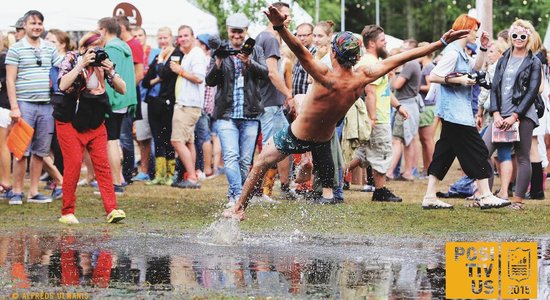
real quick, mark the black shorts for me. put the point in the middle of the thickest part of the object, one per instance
(114, 124)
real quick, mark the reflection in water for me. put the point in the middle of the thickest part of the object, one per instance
(30, 261)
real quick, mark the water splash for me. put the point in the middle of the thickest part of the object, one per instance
(224, 231)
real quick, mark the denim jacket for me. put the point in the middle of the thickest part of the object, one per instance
(454, 102)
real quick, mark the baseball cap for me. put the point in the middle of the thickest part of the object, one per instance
(20, 24)
(472, 47)
(347, 46)
(203, 38)
(237, 20)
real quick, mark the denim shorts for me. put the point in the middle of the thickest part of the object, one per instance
(504, 151)
(272, 121)
(39, 116)
(202, 129)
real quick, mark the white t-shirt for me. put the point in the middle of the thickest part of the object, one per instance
(192, 94)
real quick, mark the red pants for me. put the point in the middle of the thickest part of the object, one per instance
(72, 145)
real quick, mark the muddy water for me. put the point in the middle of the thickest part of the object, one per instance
(149, 266)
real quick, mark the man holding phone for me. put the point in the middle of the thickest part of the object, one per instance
(237, 103)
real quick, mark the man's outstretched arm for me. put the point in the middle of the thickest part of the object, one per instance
(313, 68)
(372, 72)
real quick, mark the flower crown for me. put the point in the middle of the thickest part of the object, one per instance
(520, 30)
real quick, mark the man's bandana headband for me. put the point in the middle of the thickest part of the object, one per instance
(346, 46)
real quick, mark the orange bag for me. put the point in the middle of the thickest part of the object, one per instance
(19, 138)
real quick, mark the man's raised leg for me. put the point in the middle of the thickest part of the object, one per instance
(269, 156)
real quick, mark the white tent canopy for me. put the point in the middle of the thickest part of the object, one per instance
(71, 16)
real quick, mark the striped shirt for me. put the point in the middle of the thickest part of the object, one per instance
(33, 69)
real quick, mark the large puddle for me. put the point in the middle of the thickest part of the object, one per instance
(151, 266)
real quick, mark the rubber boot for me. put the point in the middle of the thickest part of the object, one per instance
(160, 171)
(170, 171)
(269, 181)
(536, 192)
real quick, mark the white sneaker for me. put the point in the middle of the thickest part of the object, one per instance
(263, 199)
(434, 203)
(492, 201)
(201, 175)
(83, 182)
(230, 204)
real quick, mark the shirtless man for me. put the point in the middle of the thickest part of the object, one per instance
(332, 95)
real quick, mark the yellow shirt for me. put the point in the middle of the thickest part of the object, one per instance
(382, 91)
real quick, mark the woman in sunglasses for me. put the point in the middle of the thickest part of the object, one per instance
(80, 122)
(514, 89)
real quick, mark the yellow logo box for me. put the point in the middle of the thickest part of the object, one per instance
(473, 270)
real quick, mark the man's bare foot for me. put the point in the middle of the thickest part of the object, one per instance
(231, 213)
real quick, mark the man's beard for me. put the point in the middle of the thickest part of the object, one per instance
(381, 52)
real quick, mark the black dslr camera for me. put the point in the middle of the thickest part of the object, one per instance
(223, 50)
(481, 79)
(100, 55)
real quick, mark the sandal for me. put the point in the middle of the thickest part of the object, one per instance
(434, 203)
(4, 188)
(517, 206)
(403, 178)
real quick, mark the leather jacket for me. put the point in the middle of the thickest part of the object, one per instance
(526, 85)
(224, 79)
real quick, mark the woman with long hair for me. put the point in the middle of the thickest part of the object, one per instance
(322, 35)
(514, 89)
(80, 122)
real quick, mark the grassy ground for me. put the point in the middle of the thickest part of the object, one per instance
(170, 210)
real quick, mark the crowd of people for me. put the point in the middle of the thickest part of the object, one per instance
(198, 107)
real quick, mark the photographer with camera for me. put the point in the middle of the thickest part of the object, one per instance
(515, 87)
(80, 121)
(459, 136)
(237, 102)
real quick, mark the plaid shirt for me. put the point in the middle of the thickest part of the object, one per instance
(299, 76)
(238, 92)
(209, 93)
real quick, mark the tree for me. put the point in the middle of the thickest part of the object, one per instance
(427, 20)
(223, 8)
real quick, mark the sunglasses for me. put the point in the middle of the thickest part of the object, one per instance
(37, 52)
(521, 37)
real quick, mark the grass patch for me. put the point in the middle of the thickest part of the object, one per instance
(172, 211)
